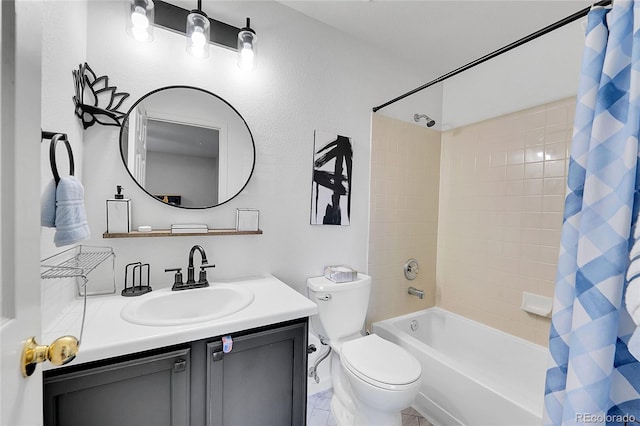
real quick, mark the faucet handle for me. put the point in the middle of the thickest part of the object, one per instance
(203, 274)
(177, 281)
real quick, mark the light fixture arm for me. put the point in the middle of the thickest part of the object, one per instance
(248, 26)
(200, 11)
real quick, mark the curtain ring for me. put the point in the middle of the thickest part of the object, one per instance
(52, 156)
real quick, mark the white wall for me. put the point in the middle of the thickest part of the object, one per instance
(309, 77)
(541, 71)
(64, 47)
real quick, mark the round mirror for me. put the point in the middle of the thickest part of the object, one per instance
(187, 147)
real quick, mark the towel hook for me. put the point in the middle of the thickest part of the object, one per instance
(52, 156)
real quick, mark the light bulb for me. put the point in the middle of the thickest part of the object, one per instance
(198, 30)
(247, 39)
(140, 34)
(198, 38)
(197, 51)
(139, 19)
(246, 57)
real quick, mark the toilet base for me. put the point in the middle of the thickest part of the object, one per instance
(363, 416)
(367, 416)
(343, 416)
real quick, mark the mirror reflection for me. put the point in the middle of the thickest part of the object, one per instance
(187, 147)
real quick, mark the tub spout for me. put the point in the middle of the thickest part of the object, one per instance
(416, 292)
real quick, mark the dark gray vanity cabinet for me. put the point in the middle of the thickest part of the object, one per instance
(261, 382)
(148, 391)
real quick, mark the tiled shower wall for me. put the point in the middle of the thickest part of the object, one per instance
(501, 202)
(405, 174)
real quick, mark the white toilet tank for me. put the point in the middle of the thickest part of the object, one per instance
(342, 307)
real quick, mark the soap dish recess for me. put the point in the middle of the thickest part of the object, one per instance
(536, 304)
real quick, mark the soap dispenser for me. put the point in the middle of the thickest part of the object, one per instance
(118, 213)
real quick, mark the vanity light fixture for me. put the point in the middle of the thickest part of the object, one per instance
(140, 20)
(247, 39)
(200, 30)
(198, 33)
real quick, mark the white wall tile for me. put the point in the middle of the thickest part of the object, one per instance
(516, 216)
(405, 225)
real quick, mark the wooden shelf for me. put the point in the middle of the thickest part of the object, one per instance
(167, 233)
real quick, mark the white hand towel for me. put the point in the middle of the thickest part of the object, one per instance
(48, 205)
(71, 218)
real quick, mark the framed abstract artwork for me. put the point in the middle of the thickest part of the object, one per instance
(331, 186)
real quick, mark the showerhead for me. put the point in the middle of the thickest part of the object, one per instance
(430, 121)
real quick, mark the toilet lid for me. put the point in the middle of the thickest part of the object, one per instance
(374, 359)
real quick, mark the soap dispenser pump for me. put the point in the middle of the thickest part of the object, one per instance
(118, 213)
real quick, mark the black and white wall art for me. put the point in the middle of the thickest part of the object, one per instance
(331, 188)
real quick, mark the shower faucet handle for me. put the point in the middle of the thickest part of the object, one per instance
(411, 269)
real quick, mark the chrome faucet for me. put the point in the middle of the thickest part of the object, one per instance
(416, 292)
(191, 282)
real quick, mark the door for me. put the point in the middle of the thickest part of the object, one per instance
(139, 146)
(20, 75)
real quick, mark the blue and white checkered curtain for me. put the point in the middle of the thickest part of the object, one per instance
(593, 378)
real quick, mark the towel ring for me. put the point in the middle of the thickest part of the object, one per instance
(52, 156)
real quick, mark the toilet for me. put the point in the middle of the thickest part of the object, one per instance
(373, 379)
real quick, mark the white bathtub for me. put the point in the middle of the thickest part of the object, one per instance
(472, 374)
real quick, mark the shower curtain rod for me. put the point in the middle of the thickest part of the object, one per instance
(579, 14)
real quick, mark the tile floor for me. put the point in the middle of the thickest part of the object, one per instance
(319, 412)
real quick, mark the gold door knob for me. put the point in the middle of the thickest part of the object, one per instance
(63, 350)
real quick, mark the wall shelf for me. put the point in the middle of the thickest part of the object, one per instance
(77, 262)
(168, 233)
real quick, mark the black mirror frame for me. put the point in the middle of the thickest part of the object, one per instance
(126, 118)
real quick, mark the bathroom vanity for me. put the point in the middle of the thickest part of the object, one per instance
(131, 374)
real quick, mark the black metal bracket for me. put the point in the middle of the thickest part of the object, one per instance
(55, 138)
(174, 18)
(95, 100)
(50, 135)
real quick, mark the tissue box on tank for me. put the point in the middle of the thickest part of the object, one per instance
(340, 273)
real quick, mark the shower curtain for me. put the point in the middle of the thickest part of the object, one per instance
(592, 377)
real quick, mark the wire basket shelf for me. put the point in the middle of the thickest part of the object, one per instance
(76, 262)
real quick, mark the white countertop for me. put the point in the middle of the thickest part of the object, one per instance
(107, 335)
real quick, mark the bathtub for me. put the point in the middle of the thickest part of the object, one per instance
(472, 374)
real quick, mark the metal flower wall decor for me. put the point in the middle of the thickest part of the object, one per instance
(95, 101)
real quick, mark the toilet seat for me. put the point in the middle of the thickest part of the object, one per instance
(380, 363)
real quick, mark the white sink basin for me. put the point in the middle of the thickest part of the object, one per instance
(166, 308)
